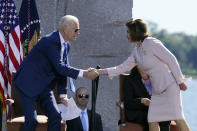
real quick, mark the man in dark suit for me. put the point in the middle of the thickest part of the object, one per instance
(45, 66)
(137, 99)
(78, 124)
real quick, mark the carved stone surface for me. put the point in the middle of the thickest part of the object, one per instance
(102, 41)
(102, 26)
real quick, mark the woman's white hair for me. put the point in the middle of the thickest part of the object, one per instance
(67, 21)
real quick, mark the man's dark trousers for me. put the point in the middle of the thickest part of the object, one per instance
(47, 103)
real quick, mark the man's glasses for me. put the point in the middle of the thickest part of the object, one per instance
(83, 96)
(76, 30)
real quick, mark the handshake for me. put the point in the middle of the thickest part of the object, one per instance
(92, 73)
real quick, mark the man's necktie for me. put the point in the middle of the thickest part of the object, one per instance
(83, 121)
(72, 87)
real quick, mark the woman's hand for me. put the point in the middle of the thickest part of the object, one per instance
(102, 71)
(145, 101)
(183, 87)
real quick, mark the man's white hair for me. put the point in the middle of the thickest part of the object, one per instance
(67, 21)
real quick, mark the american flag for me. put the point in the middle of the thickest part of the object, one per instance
(11, 53)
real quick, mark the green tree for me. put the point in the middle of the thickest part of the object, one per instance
(183, 46)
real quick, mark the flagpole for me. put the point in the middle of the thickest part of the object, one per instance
(6, 33)
(5, 71)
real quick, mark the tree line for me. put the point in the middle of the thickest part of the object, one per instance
(182, 45)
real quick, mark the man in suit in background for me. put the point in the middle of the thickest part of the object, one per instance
(137, 98)
(47, 65)
(82, 122)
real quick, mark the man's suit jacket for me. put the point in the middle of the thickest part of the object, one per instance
(42, 68)
(76, 125)
(134, 90)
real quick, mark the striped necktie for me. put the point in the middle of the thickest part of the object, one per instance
(72, 87)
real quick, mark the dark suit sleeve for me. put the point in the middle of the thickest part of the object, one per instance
(74, 124)
(61, 85)
(133, 94)
(52, 51)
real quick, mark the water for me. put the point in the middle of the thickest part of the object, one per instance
(189, 99)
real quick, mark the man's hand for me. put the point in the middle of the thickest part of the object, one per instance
(64, 101)
(145, 101)
(182, 86)
(91, 73)
(91, 69)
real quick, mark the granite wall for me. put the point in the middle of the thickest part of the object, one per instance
(102, 41)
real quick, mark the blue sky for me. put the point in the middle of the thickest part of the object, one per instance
(172, 15)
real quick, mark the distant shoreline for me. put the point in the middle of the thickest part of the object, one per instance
(193, 76)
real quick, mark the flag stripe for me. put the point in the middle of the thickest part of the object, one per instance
(2, 76)
(3, 79)
(2, 49)
(13, 59)
(16, 39)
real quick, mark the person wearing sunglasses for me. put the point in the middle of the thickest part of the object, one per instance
(46, 66)
(81, 123)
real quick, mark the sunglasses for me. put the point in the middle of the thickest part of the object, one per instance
(76, 30)
(83, 96)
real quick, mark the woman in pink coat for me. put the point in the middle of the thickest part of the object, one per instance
(164, 73)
